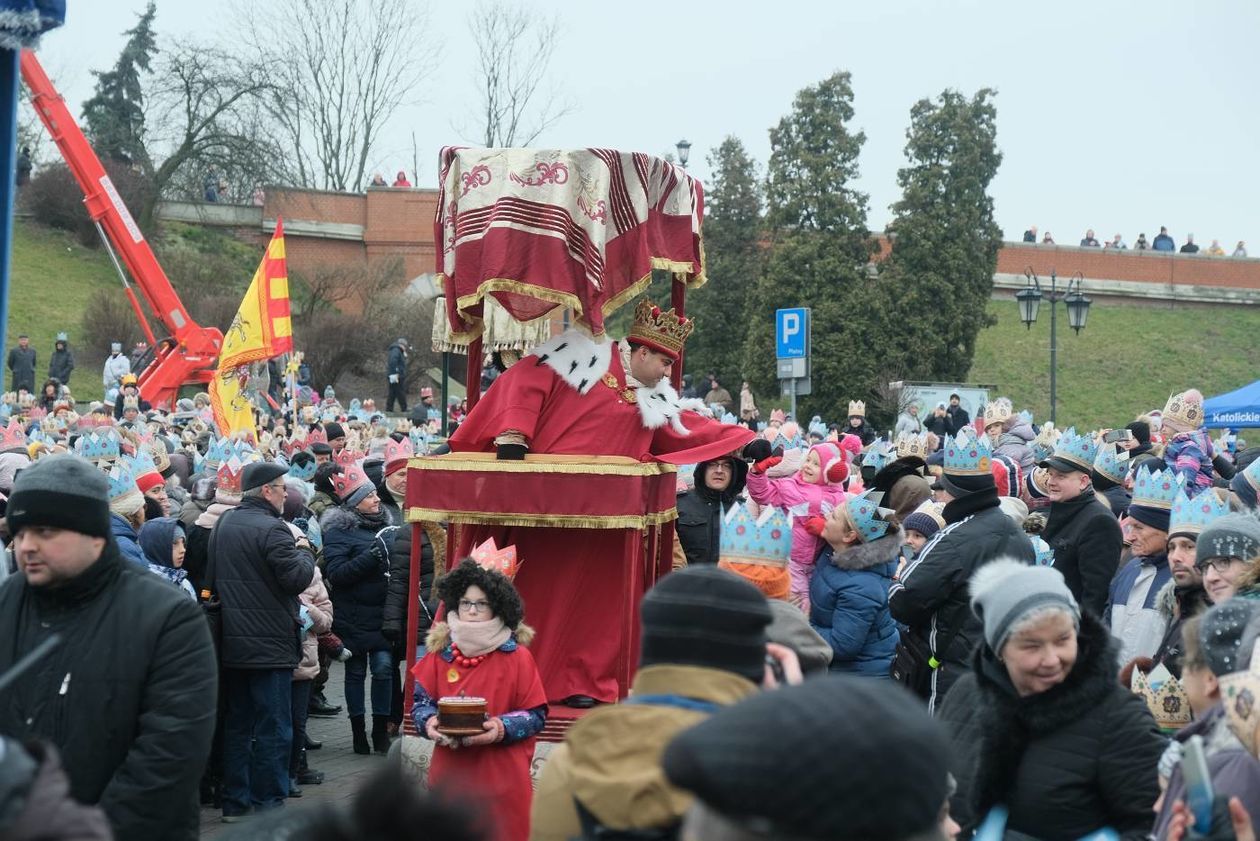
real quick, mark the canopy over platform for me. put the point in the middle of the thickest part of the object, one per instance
(541, 229)
(1238, 409)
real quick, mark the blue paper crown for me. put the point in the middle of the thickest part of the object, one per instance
(121, 480)
(141, 463)
(766, 539)
(1252, 474)
(878, 455)
(1190, 516)
(98, 446)
(968, 454)
(866, 515)
(219, 451)
(729, 419)
(419, 440)
(303, 473)
(816, 426)
(1025, 416)
(1044, 555)
(1156, 490)
(1111, 464)
(1079, 450)
(786, 443)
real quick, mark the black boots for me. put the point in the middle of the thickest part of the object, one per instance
(380, 733)
(306, 775)
(359, 729)
(320, 708)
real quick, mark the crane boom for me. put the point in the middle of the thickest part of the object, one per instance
(189, 352)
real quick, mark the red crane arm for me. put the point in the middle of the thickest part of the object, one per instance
(190, 353)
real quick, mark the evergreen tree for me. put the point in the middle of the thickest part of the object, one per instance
(732, 243)
(114, 116)
(818, 248)
(940, 276)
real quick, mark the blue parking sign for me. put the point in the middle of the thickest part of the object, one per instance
(791, 333)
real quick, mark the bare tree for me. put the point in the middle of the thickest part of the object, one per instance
(515, 45)
(343, 68)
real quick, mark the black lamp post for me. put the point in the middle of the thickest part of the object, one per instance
(1077, 303)
(684, 151)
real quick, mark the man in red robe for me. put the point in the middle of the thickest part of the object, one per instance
(576, 395)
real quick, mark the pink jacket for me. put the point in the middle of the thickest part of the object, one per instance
(801, 500)
(315, 599)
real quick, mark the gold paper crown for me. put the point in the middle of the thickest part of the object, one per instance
(912, 445)
(857, 407)
(998, 411)
(662, 330)
(1169, 705)
(1186, 412)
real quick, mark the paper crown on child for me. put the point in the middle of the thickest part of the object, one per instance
(13, 437)
(1155, 490)
(1184, 409)
(817, 427)
(316, 436)
(303, 472)
(1164, 697)
(122, 481)
(1111, 464)
(728, 419)
(661, 330)
(910, 444)
(1190, 516)
(1077, 450)
(219, 451)
(100, 447)
(968, 454)
(1043, 554)
(490, 556)
(878, 454)
(857, 408)
(998, 411)
(867, 516)
(761, 538)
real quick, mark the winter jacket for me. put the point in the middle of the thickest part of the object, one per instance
(1016, 444)
(863, 431)
(117, 366)
(128, 541)
(397, 362)
(909, 424)
(958, 419)
(127, 698)
(320, 610)
(700, 512)
(1079, 757)
(1132, 611)
(1086, 540)
(355, 565)
(190, 511)
(903, 485)
(35, 801)
(259, 574)
(394, 614)
(22, 365)
(848, 604)
(936, 424)
(610, 760)
(1114, 496)
(61, 365)
(791, 627)
(931, 596)
(1189, 455)
(1163, 242)
(1234, 772)
(1176, 605)
(197, 556)
(157, 539)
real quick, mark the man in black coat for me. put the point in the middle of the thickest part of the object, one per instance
(128, 695)
(958, 417)
(259, 569)
(396, 373)
(61, 364)
(1083, 533)
(931, 595)
(393, 493)
(698, 529)
(22, 364)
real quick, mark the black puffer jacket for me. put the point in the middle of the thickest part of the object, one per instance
(259, 572)
(128, 698)
(1086, 540)
(931, 596)
(1076, 758)
(355, 565)
(395, 612)
(700, 511)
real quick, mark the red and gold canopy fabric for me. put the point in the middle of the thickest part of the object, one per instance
(583, 229)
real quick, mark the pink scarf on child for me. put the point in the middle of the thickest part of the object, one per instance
(477, 638)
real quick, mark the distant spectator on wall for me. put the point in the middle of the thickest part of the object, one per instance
(1141, 244)
(259, 197)
(1030, 235)
(1089, 241)
(401, 180)
(1215, 250)
(1047, 239)
(378, 180)
(1189, 247)
(1163, 242)
(211, 185)
(1241, 249)
(1117, 244)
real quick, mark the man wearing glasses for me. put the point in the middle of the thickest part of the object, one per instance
(258, 571)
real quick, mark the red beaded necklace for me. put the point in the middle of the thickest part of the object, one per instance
(467, 662)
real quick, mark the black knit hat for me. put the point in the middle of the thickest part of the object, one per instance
(1141, 432)
(64, 492)
(1156, 518)
(705, 616)
(884, 760)
(334, 431)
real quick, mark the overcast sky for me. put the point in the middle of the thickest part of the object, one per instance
(1120, 116)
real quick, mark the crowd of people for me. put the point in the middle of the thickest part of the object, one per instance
(1163, 241)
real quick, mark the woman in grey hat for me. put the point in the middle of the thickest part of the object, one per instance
(1040, 725)
(1226, 553)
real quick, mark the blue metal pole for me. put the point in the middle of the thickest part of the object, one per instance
(10, 78)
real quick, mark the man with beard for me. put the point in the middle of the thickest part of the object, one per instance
(698, 530)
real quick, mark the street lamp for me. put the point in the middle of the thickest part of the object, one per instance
(1077, 303)
(684, 151)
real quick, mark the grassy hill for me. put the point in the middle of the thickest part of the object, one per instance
(1127, 360)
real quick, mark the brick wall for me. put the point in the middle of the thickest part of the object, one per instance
(1138, 266)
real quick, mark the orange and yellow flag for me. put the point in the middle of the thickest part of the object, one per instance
(260, 330)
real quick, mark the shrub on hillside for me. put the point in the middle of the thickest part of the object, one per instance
(55, 199)
(109, 318)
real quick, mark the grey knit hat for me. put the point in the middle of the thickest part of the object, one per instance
(63, 491)
(1227, 635)
(1229, 536)
(1006, 590)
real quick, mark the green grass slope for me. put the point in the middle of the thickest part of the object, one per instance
(1127, 360)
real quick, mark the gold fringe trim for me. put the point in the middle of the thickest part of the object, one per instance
(575, 465)
(482, 518)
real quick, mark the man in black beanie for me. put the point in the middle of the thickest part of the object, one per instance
(931, 594)
(137, 749)
(881, 765)
(703, 648)
(336, 437)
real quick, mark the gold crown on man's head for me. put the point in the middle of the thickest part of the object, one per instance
(664, 331)
(1169, 705)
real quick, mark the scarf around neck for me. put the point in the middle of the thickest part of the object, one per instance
(477, 638)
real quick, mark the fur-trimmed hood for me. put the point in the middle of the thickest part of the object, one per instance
(440, 636)
(867, 555)
(336, 518)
